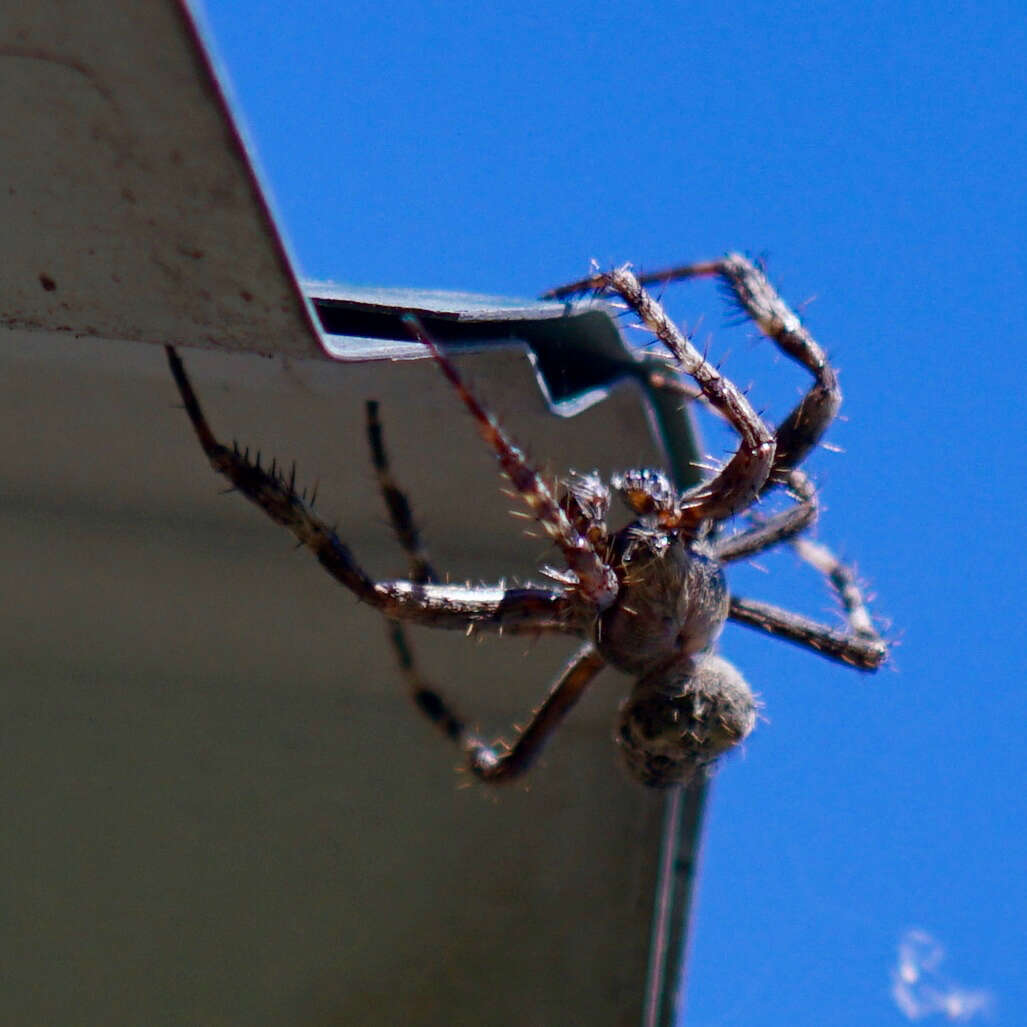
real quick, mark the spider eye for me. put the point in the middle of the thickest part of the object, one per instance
(646, 491)
(679, 721)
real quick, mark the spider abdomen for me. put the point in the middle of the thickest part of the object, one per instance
(672, 603)
(680, 719)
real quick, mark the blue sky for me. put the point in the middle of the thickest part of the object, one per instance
(875, 153)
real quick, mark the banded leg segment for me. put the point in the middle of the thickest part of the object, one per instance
(596, 580)
(443, 606)
(483, 760)
(854, 650)
(843, 581)
(275, 494)
(401, 515)
(500, 763)
(860, 646)
(774, 530)
(740, 481)
(493, 766)
(750, 288)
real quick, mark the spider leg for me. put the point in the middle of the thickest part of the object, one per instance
(531, 609)
(585, 501)
(743, 477)
(860, 646)
(424, 695)
(425, 698)
(396, 502)
(802, 429)
(596, 579)
(776, 529)
(568, 689)
(500, 763)
(865, 653)
(843, 581)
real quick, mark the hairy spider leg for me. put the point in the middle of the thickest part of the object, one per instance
(842, 579)
(585, 499)
(569, 687)
(401, 517)
(860, 646)
(596, 580)
(752, 291)
(425, 697)
(483, 760)
(500, 763)
(741, 479)
(534, 609)
(774, 530)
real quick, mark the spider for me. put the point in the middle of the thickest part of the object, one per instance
(649, 599)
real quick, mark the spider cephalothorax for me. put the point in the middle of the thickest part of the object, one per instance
(649, 599)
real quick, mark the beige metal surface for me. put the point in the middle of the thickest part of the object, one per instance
(128, 207)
